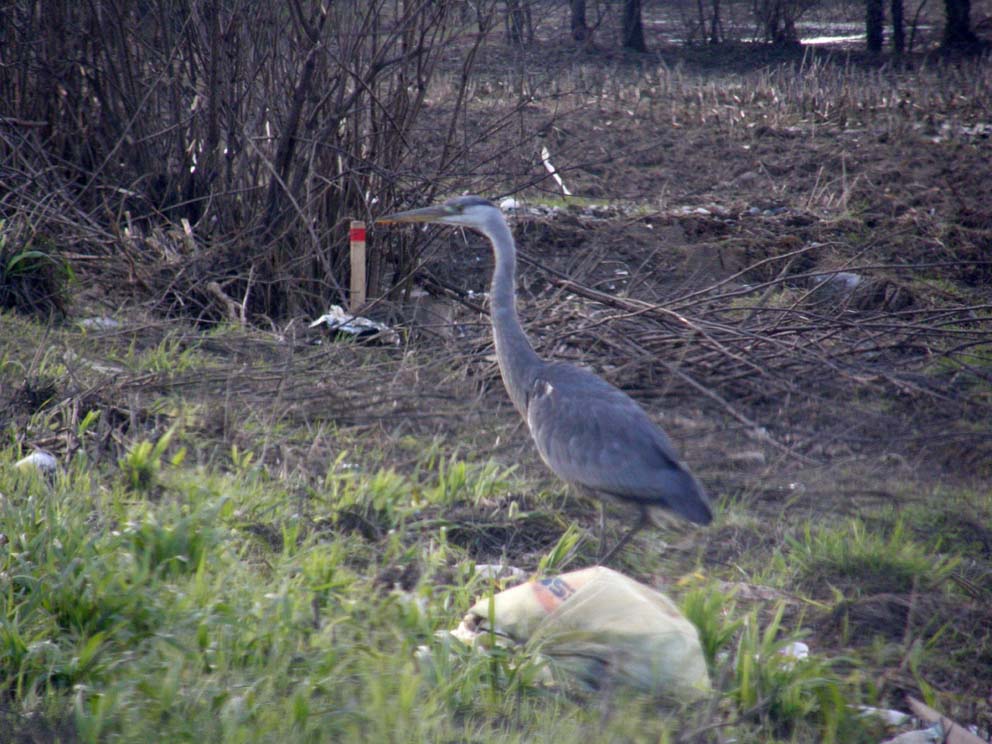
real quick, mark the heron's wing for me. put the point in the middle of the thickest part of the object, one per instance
(594, 435)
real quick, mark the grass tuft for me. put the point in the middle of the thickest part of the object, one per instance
(863, 562)
(784, 691)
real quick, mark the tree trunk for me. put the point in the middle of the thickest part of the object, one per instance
(898, 27)
(580, 29)
(515, 22)
(716, 26)
(957, 27)
(777, 18)
(874, 20)
(633, 27)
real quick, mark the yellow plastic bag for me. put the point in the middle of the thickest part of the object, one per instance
(600, 627)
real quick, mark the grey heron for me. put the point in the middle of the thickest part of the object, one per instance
(591, 434)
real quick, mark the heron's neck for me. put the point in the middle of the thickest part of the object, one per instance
(517, 360)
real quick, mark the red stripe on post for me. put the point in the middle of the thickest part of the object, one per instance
(358, 287)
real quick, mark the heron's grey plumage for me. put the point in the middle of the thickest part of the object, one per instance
(594, 435)
(590, 433)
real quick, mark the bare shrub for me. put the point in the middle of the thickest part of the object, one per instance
(777, 19)
(231, 139)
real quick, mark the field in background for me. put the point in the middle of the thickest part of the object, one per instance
(253, 533)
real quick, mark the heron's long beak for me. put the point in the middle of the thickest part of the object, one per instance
(426, 214)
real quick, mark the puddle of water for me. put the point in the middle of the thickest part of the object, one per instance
(820, 40)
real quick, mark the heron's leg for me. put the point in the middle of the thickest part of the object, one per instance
(602, 529)
(580, 490)
(641, 522)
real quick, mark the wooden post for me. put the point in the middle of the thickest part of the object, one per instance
(357, 235)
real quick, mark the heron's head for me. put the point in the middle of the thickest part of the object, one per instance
(465, 211)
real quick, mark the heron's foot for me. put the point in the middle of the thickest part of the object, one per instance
(642, 522)
(604, 559)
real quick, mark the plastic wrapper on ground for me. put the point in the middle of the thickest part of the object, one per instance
(40, 460)
(340, 321)
(598, 628)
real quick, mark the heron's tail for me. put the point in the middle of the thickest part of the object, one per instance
(686, 497)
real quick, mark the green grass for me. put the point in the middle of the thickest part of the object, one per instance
(953, 520)
(149, 617)
(197, 603)
(163, 596)
(788, 694)
(864, 562)
(34, 277)
(172, 355)
(287, 582)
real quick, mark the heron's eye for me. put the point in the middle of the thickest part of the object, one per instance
(450, 209)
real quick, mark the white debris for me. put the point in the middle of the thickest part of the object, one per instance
(686, 209)
(747, 458)
(930, 735)
(499, 571)
(950, 130)
(41, 460)
(890, 717)
(336, 319)
(842, 281)
(103, 323)
(510, 204)
(795, 651)
(982, 129)
(546, 159)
